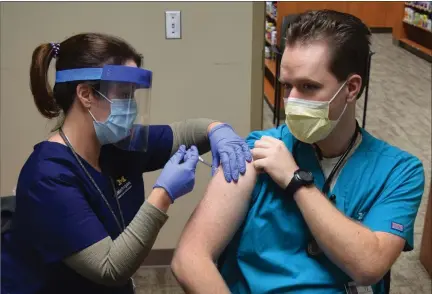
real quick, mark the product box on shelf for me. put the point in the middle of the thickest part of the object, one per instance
(425, 5)
(417, 18)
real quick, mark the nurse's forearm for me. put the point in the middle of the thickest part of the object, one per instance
(111, 262)
(354, 248)
(192, 132)
(159, 198)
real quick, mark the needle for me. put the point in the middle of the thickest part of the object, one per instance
(202, 160)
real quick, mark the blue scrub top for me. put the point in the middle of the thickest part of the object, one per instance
(59, 212)
(380, 186)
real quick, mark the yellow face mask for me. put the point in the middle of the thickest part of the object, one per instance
(308, 120)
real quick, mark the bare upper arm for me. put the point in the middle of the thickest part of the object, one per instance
(218, 215)
(391, 247)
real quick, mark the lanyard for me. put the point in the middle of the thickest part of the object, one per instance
(313, 247)
(338, 165)
(120, 225)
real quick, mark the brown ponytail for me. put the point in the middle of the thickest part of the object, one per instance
(79, 51)
(40, 87)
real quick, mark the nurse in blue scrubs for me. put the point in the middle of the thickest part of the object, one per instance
(81, 224)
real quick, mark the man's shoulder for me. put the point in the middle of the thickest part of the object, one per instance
(281, 133)
(384, 151)
(392, 164)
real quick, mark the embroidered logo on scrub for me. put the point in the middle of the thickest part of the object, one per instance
(397, 227)
(121, 180)
(124, 185)
(360, 216)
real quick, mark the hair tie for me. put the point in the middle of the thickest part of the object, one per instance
(56, 48)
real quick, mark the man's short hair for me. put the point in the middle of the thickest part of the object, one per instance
(348, 40)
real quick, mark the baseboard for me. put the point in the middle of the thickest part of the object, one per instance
(413, 50)
(381, 30)
(159, 257)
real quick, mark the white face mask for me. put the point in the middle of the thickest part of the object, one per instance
(308, 120)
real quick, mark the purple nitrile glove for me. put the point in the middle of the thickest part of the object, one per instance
(229, 150)
(178, 175)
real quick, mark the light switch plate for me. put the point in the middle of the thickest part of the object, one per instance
(172, 24)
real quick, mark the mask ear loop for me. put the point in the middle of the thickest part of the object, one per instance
(343, 111)
(338, 91)
(106, 98)
(92, 115)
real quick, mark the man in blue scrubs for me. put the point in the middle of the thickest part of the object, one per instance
(325, 207)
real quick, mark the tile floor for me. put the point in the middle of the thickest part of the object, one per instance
(399, 112)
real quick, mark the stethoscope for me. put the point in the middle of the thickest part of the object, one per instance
(313, 248)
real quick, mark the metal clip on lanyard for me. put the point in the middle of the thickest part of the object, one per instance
(313, 248)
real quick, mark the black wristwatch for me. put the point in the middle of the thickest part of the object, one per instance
(300, 179)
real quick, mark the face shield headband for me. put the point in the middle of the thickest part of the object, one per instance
(126, 127)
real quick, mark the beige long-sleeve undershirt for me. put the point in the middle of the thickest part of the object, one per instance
(112, 262)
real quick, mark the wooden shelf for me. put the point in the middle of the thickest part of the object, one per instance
(375, 14)
(269, 15)
(271, 65)
(418, 7)
(416, 46)
(413, 38)
(268, 91)
(269, 96)
(416, 26)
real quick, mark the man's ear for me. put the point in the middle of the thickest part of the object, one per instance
(84, 94)
(354, 85)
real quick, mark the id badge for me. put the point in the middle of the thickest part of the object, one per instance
(352, 288)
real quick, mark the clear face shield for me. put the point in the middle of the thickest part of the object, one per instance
(122, 113)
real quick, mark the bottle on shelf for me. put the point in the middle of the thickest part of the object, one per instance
(273, 38)
(268, 6)
(417, 18)
(273, 44)
(267, 54)
(270, 28)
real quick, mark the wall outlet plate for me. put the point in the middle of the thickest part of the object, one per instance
(173, 24)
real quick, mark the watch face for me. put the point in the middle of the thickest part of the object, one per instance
(305, 176)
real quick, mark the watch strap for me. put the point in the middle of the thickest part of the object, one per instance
(297, 182)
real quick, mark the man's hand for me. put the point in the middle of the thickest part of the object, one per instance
(272, 156)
